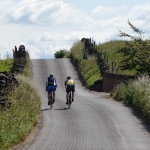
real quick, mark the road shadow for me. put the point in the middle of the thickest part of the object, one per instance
(61, 109)
(45, 109)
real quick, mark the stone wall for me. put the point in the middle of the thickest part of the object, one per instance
(110, 80)
(19, 59)
(7, 79)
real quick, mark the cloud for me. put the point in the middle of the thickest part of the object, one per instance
(48, 43)
(140, 12)
(46, 26)
(45, 13)
(108, 12)
(4, 52)
(140, 18)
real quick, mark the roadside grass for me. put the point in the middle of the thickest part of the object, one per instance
(28, 68)
(136, 93)
(17, 121)
(110, 48)
(6, 65)
(88, 68)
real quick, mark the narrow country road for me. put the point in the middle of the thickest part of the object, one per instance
(94, 122)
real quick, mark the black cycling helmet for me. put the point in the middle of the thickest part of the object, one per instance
(51, 75)
(68, 77)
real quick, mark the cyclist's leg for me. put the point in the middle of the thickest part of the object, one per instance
(67, 98)
(67, 93)
(49, 94)
(50, 90)
(53, 96)
(72, 96)
(73, 90)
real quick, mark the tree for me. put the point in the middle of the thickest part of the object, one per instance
(60, 53)
(136, 53)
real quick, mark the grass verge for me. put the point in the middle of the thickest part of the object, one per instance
(136, 93)
(88, 68)
(17, 121)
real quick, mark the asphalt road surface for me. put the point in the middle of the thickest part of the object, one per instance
(94, 122)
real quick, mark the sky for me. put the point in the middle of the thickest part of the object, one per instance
(47, 26)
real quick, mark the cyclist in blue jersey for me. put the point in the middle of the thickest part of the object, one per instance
(51, 86)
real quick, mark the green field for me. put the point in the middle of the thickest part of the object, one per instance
(6, 65)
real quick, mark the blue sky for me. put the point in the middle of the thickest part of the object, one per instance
(47, 26)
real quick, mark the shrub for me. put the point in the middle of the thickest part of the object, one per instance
(60, 54)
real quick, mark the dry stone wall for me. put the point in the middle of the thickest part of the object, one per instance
(92, 49)
(19, 59)
(7, 79)
(110, 80)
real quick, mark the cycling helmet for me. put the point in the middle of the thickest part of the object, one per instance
(51, 75)
(68, 77)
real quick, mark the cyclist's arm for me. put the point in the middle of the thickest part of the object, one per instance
(55, 83)
(65, 85)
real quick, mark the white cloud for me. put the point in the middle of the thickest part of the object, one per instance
(48, 43)
(46, 26)
(140, 12)
(4, 51)
(47, 12)
(109, 11)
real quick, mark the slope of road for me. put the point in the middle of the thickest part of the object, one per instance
(94, 122)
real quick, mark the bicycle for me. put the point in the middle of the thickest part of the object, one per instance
(70, 100)
(50, 100)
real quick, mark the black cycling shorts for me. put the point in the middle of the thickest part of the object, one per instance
(70, 88)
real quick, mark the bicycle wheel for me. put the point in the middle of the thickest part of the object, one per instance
(51, 106)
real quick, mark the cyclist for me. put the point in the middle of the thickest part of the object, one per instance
(51, 86)
(70, 87)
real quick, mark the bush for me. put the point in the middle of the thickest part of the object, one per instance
(135, 53)
(136, 93)
(60, 54)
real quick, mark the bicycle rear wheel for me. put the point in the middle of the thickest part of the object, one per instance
(69, 105)
(70, 101)
(51, 105)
